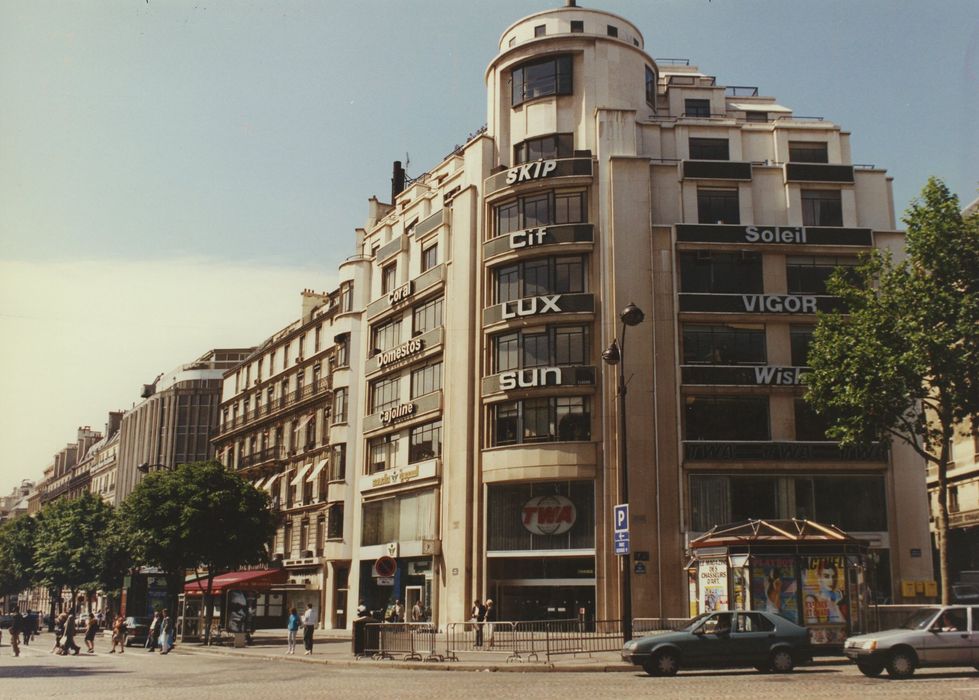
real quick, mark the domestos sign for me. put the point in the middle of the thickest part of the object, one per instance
(399, 353)
(549, 515)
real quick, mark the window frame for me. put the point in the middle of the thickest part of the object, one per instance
(561, 79)
(548, 147)
(528, 280)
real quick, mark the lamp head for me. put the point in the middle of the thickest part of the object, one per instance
(632, 315)
(612, 355)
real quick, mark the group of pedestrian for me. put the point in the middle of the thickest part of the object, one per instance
(161, 633)
(483, 615)
(65, 628)
(19, 626)
(308, 622)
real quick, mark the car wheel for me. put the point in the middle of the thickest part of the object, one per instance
(870, 670)
(665, 663)
(901, 664)
(782, 661)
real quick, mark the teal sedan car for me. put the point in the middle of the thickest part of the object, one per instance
(751, 639)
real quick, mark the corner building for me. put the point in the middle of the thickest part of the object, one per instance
(487, 442)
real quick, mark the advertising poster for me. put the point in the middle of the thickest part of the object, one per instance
(824, 591)
(774, 587)
(713, 585)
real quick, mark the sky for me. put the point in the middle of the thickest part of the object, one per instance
(173, 173)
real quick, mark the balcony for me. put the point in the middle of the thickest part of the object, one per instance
(275, 453)
(818, 172)
(316, 390)
(716, 170)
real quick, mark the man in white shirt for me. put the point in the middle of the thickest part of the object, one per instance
(309, 622)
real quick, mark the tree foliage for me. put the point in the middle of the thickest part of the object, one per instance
(17, 554)
(902, 361)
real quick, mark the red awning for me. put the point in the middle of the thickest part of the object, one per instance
(260, 579)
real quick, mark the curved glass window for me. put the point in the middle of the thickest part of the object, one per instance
(547, 76)
(554, 275)
(551, 346)
(551, 419)
(541, 209)
(543, 148)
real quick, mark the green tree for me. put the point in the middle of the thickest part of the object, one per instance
(199, 516)
(17, 554)
(902, 361)
(67, 553)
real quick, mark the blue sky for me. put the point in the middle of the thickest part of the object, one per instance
(206, 143)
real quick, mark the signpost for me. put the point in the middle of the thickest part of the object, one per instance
(620, 538)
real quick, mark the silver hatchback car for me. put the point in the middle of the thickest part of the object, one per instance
(932, 636)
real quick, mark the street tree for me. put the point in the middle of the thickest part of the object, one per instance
(199, 516)
(16, 554)
(66, 553)
(901, 360)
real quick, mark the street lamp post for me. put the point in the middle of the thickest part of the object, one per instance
(146, 467)
(631, 315)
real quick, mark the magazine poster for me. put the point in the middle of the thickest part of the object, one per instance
(774, 587)
(824, 591)
(712, 575)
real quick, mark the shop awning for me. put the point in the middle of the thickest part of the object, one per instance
(317, 470)
(259, 579)
(300, 474)
(268, 484)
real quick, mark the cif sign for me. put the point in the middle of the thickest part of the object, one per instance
(549, 515)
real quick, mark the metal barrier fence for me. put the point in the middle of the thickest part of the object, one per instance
(411, 641)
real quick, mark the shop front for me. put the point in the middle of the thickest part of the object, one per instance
(812, 574)
(541, 550)
(243, 602)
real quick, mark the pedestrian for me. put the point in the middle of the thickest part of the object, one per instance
(68, 644)
(153, 632)
(17, 626)
(59, 633)
(119, 635)
(309, 623)
(166, 632)
(417, 612)
(489, 616)
(397, 612)
(90, 632)
(477, 615)
(292, 625)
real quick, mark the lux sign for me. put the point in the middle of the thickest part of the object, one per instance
(549, 515)
(531, 306)
(531, 171)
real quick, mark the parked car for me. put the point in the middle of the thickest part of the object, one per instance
(965, 593)
(932, 636)
(137, 630)
(751, 638)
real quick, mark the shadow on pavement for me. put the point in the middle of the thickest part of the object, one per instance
(30, 671)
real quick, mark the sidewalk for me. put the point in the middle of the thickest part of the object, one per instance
(333, 648)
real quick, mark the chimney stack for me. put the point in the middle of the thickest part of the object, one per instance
(397, 180)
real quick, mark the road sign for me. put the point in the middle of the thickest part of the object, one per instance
(620, 536)
(622, 546)
(621, 517)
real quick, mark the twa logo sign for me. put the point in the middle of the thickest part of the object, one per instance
(549, 515)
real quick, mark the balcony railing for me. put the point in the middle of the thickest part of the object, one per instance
(316, 389)
(269, 454)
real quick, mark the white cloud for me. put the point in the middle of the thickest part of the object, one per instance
(80, 338)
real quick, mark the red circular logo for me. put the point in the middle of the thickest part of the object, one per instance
(386, 566)
(549, 515)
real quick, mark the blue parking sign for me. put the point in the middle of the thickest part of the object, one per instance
(621, 517)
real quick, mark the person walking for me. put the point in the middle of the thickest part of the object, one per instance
(59, 633)
(17, 627)
(309, 623)
(489, 617)
(292, 625)
(397, 612)
(119, 635)
(166, 632)
(90, 632)
(417, 612)
(69, 641)
(154, 632)
(477, 615)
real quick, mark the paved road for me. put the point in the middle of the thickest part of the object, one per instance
(199, 676)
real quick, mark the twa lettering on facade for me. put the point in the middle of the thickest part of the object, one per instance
(530, 171)
(779, 303)
(527, 378)
(549, 515)
(531, 306)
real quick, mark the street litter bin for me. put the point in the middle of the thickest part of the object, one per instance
(239, 640)
(366, 636)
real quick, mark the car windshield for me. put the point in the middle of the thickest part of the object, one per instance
(138, 621)
(696, 621)
(920, 619)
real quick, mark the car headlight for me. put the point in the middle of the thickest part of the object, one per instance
(869, 645)
(631, 645)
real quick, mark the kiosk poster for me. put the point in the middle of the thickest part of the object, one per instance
(774, 587)
(713, 585)
(824, 588)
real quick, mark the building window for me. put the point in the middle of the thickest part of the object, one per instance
(287, 537)
(612, 31)
(347, 296)
(809, 425)
(320, 535)
(709, 149)
(808, 152)
(386, 336)
(338, 462)
(800, 338)
(427, 379)
(807, 274)
(565, 418)
(389, 277)
(316, 345)
(696, 108)
(541, 209)
(577, 26)
(405, 518)
(953, 502)
(753, 116)
(720, 273)
(544, 148)
(851, 502)
(540, 30)
(555, 345)
(425, 442)
(506, 532)
(822, 208)
(718, 206)
(548, 76)
(380, 454)
(726, 418)
(553, 275)
(427, 316)
(430, 256)
(650, 87)
(385, 394)
(303, 536)
(334, 521)
(342, 355)
(340, 405)
(723, 345)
